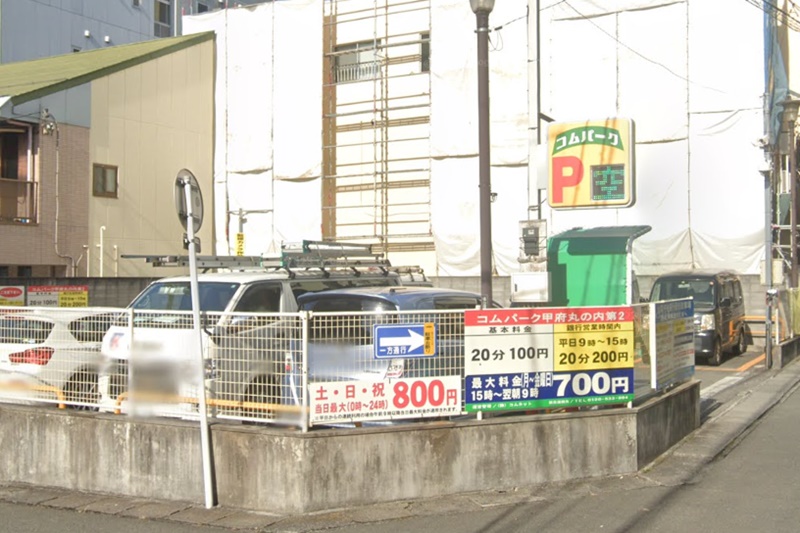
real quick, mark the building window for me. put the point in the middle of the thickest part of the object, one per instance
(105, 181)
(356, 61)
(9, 156)
(162, 18)
(202, 8)
(24, 271)
(425, 52)
(4, 272)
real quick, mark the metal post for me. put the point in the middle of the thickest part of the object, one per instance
(205, 441)
(485, 183)
(102, 253)
(793, 210)
(768, 265)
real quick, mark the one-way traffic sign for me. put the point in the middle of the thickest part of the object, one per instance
(406, 340)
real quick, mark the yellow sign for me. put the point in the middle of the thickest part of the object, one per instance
(429, 338)
(240, 244)
(592, 350)
(73, 299)
(591, 164)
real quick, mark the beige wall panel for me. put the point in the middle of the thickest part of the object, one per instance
(147, 168)
(132, 191)
(133, 94)
(163, 124)
(149, 93)
(164, 93)
(178, 75)
(116, 95)
(99, 130)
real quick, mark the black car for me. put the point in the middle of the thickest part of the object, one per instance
(719, 313)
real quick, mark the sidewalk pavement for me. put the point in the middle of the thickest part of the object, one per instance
(728, 423)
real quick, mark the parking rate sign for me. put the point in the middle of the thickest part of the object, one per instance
(591, 164)
(548, 357)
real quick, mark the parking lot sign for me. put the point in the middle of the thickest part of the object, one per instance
(591, 164)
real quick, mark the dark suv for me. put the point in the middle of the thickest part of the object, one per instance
(378, 334)
(719, 315)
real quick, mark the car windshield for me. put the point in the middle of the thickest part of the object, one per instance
(176, 296)
(702, 290)
(19, 330)
(346, 303)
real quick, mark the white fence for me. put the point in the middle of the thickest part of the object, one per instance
(305, 369)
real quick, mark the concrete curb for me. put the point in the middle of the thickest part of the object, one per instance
(679, 465)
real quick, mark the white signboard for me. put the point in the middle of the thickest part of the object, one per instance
(542, 358)
(12, 295)
(355, 401)
(58, 296)
(674, 336)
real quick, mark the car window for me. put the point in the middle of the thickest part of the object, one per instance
(737, 291)
(347, 304)
(673, 289)
(261, 298)
(727, 291)
(176, 296)
(91, 328)
(19, 330)
(449, 302)
(316, 285)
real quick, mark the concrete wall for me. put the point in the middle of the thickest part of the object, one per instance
(286, 471)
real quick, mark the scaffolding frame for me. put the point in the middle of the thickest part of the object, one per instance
(376, 160)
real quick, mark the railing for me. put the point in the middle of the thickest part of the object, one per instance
(356, 72)
(305, 369)
(18, 201)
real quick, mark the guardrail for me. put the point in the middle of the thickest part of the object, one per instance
(306, 369)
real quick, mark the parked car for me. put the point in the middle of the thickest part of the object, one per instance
(241, 314)
(45, 351)
(342, 339)
(719, 310)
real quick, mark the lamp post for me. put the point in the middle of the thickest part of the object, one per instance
(790, 107)
(482, 8)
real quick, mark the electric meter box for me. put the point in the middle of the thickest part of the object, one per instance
(530, 288)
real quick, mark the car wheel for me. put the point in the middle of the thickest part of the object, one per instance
(261, 393)
(81, 389)
(741, 343)
(716, 354)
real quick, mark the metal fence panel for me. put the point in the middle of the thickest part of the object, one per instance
(52, 355)
(385, 366)
(299, 369)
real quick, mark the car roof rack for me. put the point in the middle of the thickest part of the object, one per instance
(307, 254)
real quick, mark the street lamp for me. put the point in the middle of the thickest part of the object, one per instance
(482, 8)
(790, 107)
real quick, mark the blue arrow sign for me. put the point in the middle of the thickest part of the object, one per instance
(406, 340)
